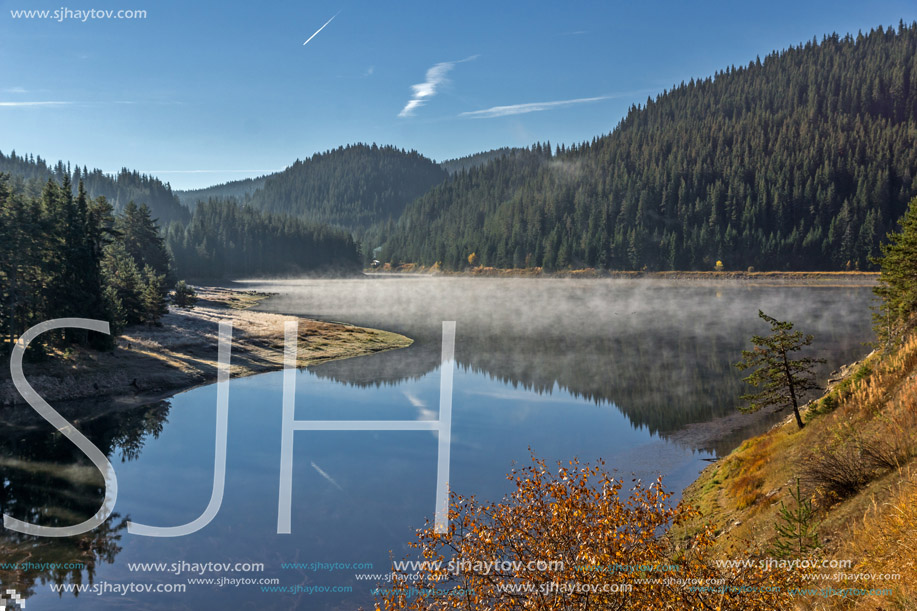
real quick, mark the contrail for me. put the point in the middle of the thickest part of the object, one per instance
(321, 28)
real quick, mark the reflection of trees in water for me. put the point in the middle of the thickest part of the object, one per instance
(91, 549)
(662, 380)
(46, 480)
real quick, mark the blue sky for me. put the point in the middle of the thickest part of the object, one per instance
(198, 93)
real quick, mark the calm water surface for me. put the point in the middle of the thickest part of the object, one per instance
(561, 368)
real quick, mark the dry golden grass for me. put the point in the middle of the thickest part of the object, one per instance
(748, 468)
(870, 418)
(885, 544)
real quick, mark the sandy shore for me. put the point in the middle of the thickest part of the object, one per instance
(152, 362)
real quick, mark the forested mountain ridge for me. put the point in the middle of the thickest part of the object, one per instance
(804, 160)
(351, 187)
(30, 174)
(242, 190)
(239, 190)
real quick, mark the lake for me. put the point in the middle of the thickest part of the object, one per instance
(612, 369)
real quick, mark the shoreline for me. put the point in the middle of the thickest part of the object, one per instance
(780, 278)
(737, 425)
(150, 363)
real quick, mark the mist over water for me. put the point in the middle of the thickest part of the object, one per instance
(568, 307)
(661, 351)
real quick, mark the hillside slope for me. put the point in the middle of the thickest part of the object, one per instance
(857, 460)
(803, 160)
(454, 166)
(351, 187)
(224, 240)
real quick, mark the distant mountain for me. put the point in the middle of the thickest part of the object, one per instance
(454, 166)
(239, 190)
(351, 187)
(804, 160)
(242, 190)
(30, 173)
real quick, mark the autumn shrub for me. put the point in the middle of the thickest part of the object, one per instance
(887, 452)
(880, 438)
(575, 538)
(838, 472)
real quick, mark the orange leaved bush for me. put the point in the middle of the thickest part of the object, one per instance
(575, 538)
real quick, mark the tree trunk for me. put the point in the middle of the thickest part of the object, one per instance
(11, 307)
(798, 419)
(789, 383)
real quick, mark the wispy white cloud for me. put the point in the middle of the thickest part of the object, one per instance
(15, 90)
(25, 104)
(326, 476)
(137, 102)
(369, 71)
(95, 103)
(521, 109)
(320, 29)
(521, 396)
(423, 412)
(414, 399)
(436, 76)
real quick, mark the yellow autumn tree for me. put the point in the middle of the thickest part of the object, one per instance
(473, 259)
(576, 539)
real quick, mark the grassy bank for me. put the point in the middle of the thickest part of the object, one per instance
(855, 460)
(151, 362)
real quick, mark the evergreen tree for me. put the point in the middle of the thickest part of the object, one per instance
(126, 282)
(20, 244)
(84, 261)
(142, 240)
(898, 279)
(184, 295)
(785, 381)
(153, 301)
(796, 533)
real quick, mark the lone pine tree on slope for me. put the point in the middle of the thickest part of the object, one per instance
(783, 381)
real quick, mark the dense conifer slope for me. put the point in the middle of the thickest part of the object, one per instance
(803, 160)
